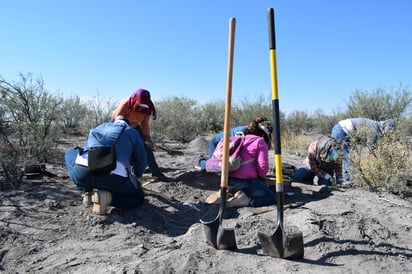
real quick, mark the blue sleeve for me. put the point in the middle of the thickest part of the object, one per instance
(234, 130)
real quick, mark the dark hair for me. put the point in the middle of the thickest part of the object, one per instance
(255, 128)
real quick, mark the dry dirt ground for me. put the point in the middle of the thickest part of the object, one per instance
(44, 228)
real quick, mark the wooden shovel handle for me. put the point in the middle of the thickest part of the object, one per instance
(226, 128)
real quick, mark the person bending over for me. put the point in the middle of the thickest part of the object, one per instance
(119, 188)
(247, 185)
(323, 161)
(137, 109)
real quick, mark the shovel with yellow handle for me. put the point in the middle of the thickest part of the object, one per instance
(279, 244)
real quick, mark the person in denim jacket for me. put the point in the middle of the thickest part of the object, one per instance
(120, 188)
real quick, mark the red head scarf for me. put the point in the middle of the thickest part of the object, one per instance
(139, 97)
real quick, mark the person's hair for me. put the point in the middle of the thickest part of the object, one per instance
(258, 127)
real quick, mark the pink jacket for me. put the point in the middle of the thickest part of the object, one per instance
(253, 147)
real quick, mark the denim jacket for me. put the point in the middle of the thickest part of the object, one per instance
(130, 150)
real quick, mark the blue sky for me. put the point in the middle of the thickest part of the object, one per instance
(325, 49)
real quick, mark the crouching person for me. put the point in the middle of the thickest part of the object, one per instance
(247, 186)
(323, 161)
(118, 188)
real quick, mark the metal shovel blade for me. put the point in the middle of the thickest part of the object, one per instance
(282, 245)
(218, 236)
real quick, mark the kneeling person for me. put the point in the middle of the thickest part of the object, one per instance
(247, 186)
(119, 188)
(323, 160)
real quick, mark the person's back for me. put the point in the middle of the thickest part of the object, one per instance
(254, 158)
(118, 187)
(128, 147)
(258, 121)
(323, 160)
(219, 136)
(246, 184)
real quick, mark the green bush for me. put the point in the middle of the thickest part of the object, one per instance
(30, 128)
(178, 118)
(32, 120)
(380, 104)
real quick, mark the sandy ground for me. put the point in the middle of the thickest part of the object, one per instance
(44, 228)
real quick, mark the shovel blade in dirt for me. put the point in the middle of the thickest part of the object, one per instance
(279, 244)
(216, 235)
(282, 245)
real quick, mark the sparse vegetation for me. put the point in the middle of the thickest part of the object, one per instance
(32, 120)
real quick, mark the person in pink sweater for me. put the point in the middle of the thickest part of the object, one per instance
(247, 185)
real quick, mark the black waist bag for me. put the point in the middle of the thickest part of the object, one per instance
(102, 160)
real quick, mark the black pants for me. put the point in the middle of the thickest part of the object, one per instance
(153, 167)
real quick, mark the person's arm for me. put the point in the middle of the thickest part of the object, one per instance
(122, 109)
(262, 158)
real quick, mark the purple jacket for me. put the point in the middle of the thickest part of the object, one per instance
(254, 147)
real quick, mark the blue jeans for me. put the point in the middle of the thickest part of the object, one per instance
(124, 193)
(340, 135)
(256, 190)
(215, 139)
(305, 175)
(213, 143)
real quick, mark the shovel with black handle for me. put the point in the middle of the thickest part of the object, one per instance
(216, 234)
(280, 244)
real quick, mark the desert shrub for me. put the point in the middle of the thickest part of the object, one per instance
(74, 114)
(323, 123)
(380, 104)
(178, 118)
(297, 122)
(247, 109)
(385, 166)
(211, 116)
(98, 111)
(29, 124)
(405, 127)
